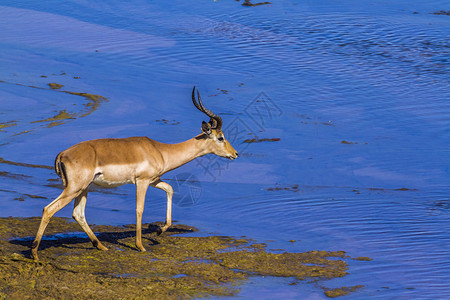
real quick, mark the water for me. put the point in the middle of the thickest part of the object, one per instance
(357, 94)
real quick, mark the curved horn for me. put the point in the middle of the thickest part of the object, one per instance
(216, 121)
(195, 101)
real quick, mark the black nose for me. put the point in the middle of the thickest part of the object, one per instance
(237, 154)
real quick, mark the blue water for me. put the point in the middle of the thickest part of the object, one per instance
(357, 94)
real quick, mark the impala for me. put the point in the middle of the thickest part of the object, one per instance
(138, 160)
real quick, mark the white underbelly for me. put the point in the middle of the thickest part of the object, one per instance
(100, 180)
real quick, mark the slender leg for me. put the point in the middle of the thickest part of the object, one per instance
(66, 196)
(169, 191)
(79, 216)
(141, 190)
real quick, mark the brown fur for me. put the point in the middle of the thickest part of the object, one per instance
(112, 162)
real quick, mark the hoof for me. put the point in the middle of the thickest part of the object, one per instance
(34, 257)
(162, 229)
(159, 231)
(34, 249)
(99, 245)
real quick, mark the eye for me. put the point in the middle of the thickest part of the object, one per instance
(220, 139)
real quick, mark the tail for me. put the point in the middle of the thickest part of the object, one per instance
(60, 169)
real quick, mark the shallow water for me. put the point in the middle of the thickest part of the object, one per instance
(357, 94)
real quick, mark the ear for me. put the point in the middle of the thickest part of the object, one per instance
(213, 123)
(206, 128)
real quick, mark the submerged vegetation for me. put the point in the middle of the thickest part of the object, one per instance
(333, 293)
(55, 86)
(442, 12)
(7, 124)
(174, 266)
(256, 140)
(58, 119)
(249, 3)
(92, 104)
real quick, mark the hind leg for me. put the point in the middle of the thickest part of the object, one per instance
(66, 196)
(79, 216)
(169, 191)
(141, 190)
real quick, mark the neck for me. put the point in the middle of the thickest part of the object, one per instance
(176, 155)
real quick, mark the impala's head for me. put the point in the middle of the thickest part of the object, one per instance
(212, 131)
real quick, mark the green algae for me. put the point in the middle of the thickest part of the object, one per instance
(165, 122)
(256, 140)
(20, 164)
(174, 266)
(313, 264)
(248, 3)
(14, 175)
(7, 124)
(62, 115)
(293, 188)
(442, 12)
(351, 143)
(93, 103)
(362, 258)
(55, 86)
(337, 292)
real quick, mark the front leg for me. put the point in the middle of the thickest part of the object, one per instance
(141, 190)
(169, 191)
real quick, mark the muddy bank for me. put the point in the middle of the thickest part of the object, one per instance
(173, 266)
